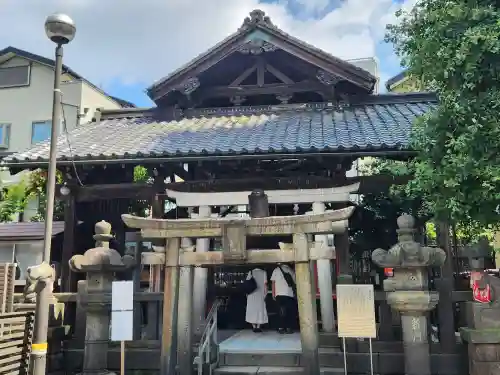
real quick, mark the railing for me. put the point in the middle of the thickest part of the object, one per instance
(208, 338)
(16, 329)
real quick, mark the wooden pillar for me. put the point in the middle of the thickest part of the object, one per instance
(170, 303)
(154, 309)
(136, 279)
(68, 279)
(446, 310)
(344, 273)
(306, 297)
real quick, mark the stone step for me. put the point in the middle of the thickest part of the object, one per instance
(269, 370)
(328, 357)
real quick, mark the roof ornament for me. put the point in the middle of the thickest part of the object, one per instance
(257, 17)
(326, 78)
(190, 85)
(256, 47)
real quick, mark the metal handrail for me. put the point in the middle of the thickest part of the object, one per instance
(208, 336)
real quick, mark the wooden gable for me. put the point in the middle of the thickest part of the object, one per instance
(260, 60)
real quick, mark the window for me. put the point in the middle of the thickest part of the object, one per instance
(4, 135)
(40, 131)
(15, 76)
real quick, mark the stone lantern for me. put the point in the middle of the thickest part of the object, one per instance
(408, 291)
(99, 264)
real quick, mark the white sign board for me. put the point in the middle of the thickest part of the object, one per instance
(356, 311)
(122, 310)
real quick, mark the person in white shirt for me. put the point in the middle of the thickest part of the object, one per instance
(283, 293)
(256, 312)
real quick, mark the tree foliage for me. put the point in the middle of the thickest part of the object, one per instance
(453, 47)
(141, 207)
(13, 201)
(15, 198)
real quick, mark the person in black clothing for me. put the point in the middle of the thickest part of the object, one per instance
(283, 284)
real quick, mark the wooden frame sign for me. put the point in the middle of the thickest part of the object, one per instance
(356, 311)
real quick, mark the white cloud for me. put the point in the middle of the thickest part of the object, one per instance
(142, 41)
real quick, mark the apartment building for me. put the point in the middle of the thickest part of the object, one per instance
(26, 84)
(26, 87)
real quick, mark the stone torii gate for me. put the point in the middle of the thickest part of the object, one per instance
(233, 233)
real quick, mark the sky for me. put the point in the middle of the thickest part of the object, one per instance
(124, 46)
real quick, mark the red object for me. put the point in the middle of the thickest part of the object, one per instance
(389, 272)
(481, 295)
(316, 277)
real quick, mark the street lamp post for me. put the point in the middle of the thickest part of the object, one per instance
(61, 30)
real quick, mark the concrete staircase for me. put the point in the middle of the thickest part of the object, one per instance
(280, 362)
(277, 363)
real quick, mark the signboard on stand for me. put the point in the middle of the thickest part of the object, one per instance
(122, 315)
(356, 315)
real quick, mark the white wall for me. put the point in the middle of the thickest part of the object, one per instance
(370, 64)
(93, 98)
(20, 106)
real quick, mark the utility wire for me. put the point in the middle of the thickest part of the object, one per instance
(65, 127)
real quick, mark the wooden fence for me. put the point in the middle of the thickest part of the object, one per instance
(16, 331)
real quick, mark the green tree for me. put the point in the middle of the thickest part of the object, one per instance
(453, 46)
(37, 187)
(141, 207)
(13, 201)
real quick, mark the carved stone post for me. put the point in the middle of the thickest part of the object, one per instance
(408, 292)
(306, 299)
(184, 313)
(200, 279)
(325, 285)
(100, 265)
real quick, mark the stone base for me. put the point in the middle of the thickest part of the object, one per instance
(484, 350)
(482, 316)
(484, 359)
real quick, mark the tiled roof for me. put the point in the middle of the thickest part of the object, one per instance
(27, 231)
(381, 123)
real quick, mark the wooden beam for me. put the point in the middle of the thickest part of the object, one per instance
(261, 71)
(249, 90)
(278, 74)
(328, 222)
(114, 191)
(244, 75)
(340, 69)
(337, 194)
(219, 54)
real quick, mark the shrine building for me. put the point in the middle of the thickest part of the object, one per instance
(261, 110)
